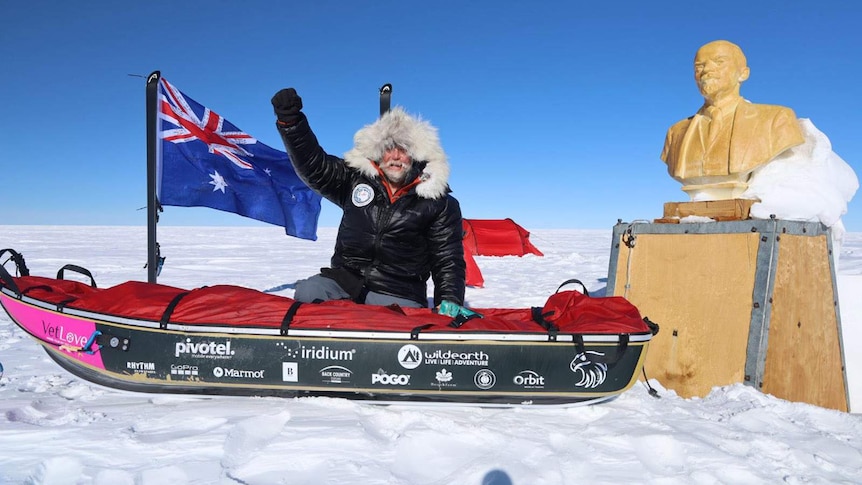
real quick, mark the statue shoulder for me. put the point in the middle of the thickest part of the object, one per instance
(679, 127)
(776, 126)
(766, 110)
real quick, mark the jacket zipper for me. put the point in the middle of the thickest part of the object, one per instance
(384, 216)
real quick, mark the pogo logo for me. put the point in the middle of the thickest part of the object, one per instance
(390, 379)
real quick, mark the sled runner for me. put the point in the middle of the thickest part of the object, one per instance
(231, 340)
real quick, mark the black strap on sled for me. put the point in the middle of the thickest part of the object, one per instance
(653, 327)
(288, 317)
(77, 269)
(62, 304)
(16, 257)
(622, 346)
(414, 334)
(540, 318)
(20, 267)
(38, 287)
(574, 280)
(362, 295)
(462, 319)
(166, 316)
(8, 281)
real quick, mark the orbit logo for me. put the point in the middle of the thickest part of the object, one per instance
(409, 356)
(529, 380)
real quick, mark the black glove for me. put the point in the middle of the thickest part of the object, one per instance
(287, 104)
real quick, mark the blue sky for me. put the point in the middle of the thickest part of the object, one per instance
(552, 113)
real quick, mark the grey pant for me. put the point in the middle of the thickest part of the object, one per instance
(319, 287)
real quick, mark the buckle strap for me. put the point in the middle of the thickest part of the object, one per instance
(288, 317)
(166, 316)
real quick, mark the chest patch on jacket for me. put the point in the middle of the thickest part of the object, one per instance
(362, 195)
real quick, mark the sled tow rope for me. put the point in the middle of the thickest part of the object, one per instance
(87, 348)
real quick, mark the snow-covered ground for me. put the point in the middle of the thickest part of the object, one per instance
(57, 429)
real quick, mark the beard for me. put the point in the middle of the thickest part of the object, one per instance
(395, 175)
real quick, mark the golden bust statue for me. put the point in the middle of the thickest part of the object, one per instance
(714, 152)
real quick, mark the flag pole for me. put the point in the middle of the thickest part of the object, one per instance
(152, 197)
(385, 98)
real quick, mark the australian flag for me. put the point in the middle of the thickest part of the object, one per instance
(206, 161)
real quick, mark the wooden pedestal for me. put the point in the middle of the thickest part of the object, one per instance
(744, 301)
(718, 210)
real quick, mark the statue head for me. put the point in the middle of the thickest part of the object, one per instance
(719, 69)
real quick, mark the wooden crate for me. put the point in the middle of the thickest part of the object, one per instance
(719, 210)
(740, 301)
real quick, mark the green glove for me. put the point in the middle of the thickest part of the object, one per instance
(455, 310)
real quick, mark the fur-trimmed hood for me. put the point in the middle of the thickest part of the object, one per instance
(415, 135)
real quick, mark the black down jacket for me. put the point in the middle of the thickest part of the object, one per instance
(393, 247)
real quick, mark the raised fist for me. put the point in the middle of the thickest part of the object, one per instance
(287, 104)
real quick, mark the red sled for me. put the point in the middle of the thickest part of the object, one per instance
(231, 340)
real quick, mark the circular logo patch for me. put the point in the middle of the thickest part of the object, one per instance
(409, 356)
(484, 379)
(362, 195)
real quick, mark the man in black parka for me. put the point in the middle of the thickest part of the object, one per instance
(400, 224)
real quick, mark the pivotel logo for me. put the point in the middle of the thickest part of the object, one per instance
(211, 350)
(529, 380)
(485, 379)
(324, 352)
(336, 374)
(237, 373)
(184, 370)
(382, 377)
(409, 356)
